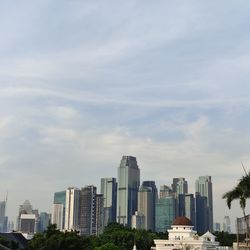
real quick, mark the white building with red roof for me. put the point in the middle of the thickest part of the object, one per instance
(182, 236)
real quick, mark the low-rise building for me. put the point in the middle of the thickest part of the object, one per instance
(182, 236)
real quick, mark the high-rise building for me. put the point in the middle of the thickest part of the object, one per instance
(109, 192)
(152, 185)
(60, 197)
(165, 213)
(128, 185)
(72, 209)
(145, 206)
(201, 214)
(217, 226)
(227, 224)
(190, 208)
(44, 221)
(87, 219)
(28, 219)
(203, 186)
(180, 186)
(99, 214)
(58, 215)
(58, 209)
(165, 191)
(3, 225)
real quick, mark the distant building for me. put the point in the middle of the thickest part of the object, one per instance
(201, 214)
(87, 218)
(138, 221)
(58, 209)
(227, 224)
(28, 224)
(217, 226)
(99, 214)
(145, 206)
(60, 197)
(203, 186)
(165, 191)
(28, 219)
(180, 185)
(109, 192)
(58, 215)
(3, 218)
(151, 184)
(44, 221)
(165, 213)
(186, 206)
(128, 185)
(241, 224)
(72, 209)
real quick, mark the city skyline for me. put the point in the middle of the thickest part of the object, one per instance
(167, 82)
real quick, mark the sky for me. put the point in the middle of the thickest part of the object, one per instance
(84, 82)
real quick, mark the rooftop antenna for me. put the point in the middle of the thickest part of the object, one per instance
(244, 168)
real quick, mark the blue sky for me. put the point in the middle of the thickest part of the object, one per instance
(84, 82)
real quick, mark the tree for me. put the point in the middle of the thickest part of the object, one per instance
(107, 246)
(241, 192)
(56, 240)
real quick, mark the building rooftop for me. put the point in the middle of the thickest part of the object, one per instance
(182, 221)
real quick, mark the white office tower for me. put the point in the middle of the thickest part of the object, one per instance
(72, 209)
(203, 186)
(146, 206)
(128, 185)
(57, 215)
(227, 224)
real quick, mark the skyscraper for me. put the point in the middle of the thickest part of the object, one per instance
(28, 218)
(58, 215)
(226, 224)
(201, 214)
(145, 206)
(165, 213)
(3, 226)
(203, 186)
(128, 185)
(109, 192)
(58, 209)
(72, 209)
(152, 185)
(87, 218)
(190, 207)
(99, 214)
(165, 191)
(180, 186)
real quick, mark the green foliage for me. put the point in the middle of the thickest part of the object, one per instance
(107, 246)
(114, 237)
(225, 239)
(56, 240)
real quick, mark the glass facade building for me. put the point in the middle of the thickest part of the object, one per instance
(165, 213)
(109, 192)
(128, 185)
(152, 185)
(203, 186)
